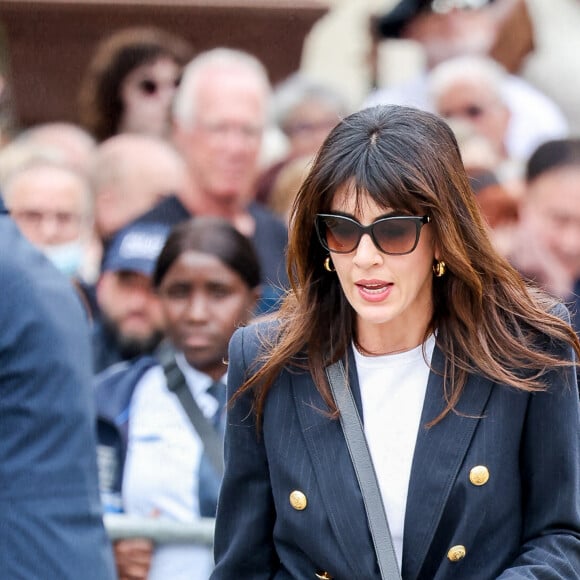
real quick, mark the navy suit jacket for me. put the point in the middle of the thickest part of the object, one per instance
(523, 523)
(50, 514)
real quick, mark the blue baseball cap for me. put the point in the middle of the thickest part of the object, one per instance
(135, 248)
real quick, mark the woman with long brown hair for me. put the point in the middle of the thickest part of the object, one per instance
(463, 377)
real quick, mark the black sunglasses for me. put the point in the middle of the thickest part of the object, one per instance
(150, 87)
(394, 235)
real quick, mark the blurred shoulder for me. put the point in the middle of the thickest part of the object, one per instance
(30, 282)
(267, 219)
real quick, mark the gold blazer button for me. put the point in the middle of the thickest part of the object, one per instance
(479, 475)
(456, 553)
(298, 500)
(323, 575)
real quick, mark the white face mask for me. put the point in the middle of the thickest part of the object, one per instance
(67, 257)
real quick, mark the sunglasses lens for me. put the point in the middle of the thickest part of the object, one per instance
(392, 235)
(148, 87)
(396, 236)
(342, 235)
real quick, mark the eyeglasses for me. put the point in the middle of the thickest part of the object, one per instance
(221, 130)
(149, 87)
(393, 235)
(62, 220)
(469, 112)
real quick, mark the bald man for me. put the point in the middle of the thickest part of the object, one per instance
(130, 174)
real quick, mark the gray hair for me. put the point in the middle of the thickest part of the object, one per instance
(297, 89)
(217, 58)
(21, 157)
(473, 68)
(73, 143)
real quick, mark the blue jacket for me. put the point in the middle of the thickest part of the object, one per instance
(113, 393)
(50, 513)
(523, 522)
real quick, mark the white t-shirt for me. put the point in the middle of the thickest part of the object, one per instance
(163, 456)
(393, 391)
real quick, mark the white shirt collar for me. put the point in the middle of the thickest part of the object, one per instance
(197, 381)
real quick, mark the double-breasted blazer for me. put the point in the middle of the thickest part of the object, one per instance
(516, 515)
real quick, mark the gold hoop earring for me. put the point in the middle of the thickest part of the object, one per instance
(439, 268)
(328, 264)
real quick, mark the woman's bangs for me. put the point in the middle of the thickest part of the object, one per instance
(388, 190)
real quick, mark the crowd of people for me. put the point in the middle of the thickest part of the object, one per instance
(425, 241)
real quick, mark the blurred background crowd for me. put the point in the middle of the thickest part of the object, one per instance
(163, 123)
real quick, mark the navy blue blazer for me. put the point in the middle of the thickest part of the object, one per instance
(524, 522)
(50, 513)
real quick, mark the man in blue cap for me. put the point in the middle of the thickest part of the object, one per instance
(50, 514)
(129, 321)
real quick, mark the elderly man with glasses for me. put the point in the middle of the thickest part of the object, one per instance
(448, 29)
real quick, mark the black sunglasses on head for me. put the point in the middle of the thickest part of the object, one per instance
(393, 235)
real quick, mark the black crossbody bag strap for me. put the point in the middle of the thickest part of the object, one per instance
(212, 442)
(365, 472)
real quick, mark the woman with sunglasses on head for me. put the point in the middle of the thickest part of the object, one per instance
(157, 456)
(411, 374)
(130, 83)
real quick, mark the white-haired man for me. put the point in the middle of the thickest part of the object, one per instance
(52, 205)
(220, 113)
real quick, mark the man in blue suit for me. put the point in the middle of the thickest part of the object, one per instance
(50, 514)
